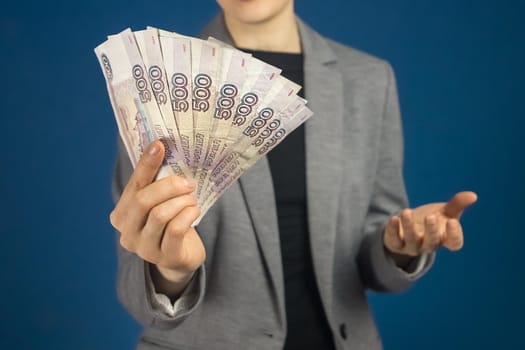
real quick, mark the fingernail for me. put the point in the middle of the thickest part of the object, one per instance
(153, 149)
(190, 183)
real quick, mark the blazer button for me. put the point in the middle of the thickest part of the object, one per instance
(342, 330)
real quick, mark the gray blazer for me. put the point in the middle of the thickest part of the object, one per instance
(354, 184)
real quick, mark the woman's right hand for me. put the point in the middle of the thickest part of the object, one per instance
(154, 220)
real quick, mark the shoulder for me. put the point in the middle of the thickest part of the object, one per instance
(353, 56)
(359, 65)
(352, 63)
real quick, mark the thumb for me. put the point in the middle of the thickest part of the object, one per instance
(148, 165)
(461, 200)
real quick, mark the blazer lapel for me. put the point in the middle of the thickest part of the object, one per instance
(257, 187)
(324, 88)
(258, 191)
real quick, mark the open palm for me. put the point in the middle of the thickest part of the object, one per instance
(427, 227)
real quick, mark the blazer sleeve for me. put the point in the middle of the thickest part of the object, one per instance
(133, 289)
(378, 270)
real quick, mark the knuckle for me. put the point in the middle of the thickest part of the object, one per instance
(188, 200)
(431, 219)
(126, 243)
(196, 211)
(142, 200)
(406, 213)
(176, 228)
(114, 219)
(184, 260)
(176, 181)
(158, 215)
(192, 215)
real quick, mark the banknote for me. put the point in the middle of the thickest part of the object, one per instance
(176, 53)
(136, 110)
(239, 162)
(259, 77)
(148, 43)
(232, 74)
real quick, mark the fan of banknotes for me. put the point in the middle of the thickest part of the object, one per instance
(216, 109)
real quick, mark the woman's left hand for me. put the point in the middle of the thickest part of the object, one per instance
(426, 228)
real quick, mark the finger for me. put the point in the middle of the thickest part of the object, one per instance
(124, 217)
(127, 242)
(147, 167)
(392, 239)
(163, 190)
(459, 202)
(432, 237)
(453, 238)
(152, 196)
(176, 229)
(158, 219)
(411, 237)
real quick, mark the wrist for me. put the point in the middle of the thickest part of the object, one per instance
(401, 260)
(172, 275)
(168, 281)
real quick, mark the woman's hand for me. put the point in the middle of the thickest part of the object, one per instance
(428, 227)
(154, 220)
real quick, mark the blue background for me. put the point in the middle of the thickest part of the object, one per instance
(460, 73)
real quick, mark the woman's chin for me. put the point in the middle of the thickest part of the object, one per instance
(254, 11)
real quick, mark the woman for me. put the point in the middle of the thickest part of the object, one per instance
(284, 257)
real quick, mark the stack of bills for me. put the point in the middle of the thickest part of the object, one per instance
(216, 109)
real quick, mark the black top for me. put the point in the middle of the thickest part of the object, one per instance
(307, 325)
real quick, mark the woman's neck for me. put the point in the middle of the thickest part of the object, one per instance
(279, 33)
